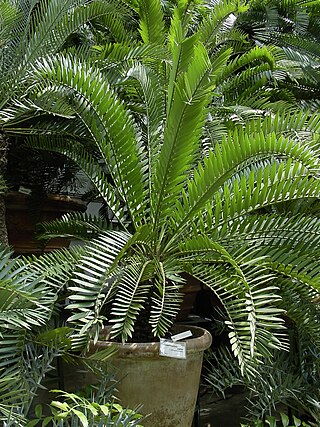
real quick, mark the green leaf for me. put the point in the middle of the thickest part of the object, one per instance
(296, 421)
(60, 405)
(82, 417)
(38, 411)
(284, 419)
(46, 421)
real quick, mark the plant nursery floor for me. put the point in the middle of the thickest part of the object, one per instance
(218, 412)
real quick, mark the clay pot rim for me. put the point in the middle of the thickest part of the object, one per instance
(200, 341)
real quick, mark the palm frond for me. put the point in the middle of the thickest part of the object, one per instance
(220, 20)
(74, 225)
(272, 229)
(166, 299)
(301, 309)
(155, 110)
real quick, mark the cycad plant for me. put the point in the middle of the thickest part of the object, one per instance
(293, 26)
(30, 29)
(177, 207)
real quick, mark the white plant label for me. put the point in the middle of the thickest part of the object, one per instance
(181, 336)
(173, 349)
(24, 190)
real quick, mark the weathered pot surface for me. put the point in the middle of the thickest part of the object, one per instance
(166, 387)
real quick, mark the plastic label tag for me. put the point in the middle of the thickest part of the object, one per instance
(173, 349)
(24, 190)
(181, 336)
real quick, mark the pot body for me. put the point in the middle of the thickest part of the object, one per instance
(166, 387)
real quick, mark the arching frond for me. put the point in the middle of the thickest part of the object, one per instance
(74, 225)
(248, 297)
(111, 127)
(93, 284)
(239, 150)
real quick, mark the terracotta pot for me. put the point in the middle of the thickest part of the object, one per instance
(22, 227)
(166, 387)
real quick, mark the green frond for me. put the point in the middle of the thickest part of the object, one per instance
(218, 61)
(43, 28)
(54, 267)
(250, 302)
(155, 110)
(113, 24)
(300, 124)
(9, 18)
(181, 135)
(272, 230)
(238, 201)
(255, 56)
(151, 21)
(21, 111)
(131, 296)
(213, 132)
(286, 180)
(117, 54)
(111, 127)
(13, 385)
(53, 21)
(302, 310)
(220, 20)
(74, 225)
(299, 270)
(182, 51)
(93, 283)
(26, 298)
(166, 300)
(243, 87)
